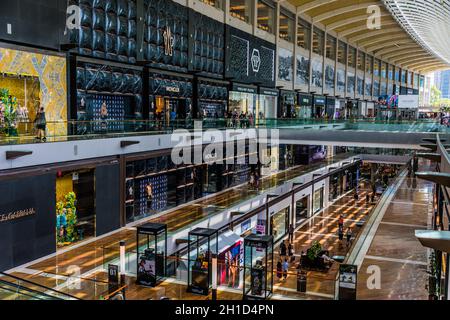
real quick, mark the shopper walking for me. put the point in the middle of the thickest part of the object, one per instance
(283, 249)
(341, 222)
(349, 236)
(279, 270)
(341, 235)
(291, 233)
(291, 252)
(285, 269)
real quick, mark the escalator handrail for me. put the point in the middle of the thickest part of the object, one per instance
(22, 288)
(39, 285)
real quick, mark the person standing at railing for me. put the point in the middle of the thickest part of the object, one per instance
(103, 117)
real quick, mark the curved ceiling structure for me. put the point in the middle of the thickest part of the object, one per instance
(404, 37)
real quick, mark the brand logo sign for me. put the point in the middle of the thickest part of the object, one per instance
(168, 42)
(14, 215)
(256, 60)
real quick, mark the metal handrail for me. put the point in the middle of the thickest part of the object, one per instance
(39, 286)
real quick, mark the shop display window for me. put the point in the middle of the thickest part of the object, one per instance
(360, 86)
(202, 245)
(279, 224)
(19, 103)
(318, 200)
(369, 64)
(304, 34)
(229, 266)
(266, 16)
(242, 10)
(351, 57)
(376, 68)
(258, 267)
(266, 107)
(241, 102)
(75, 207)
(368, 86)
(301, 210)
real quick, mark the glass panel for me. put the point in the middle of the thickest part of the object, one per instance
(318, 200)
(369, 63)
(342, 53)
(279, 224)
(383, 70)
(390, 72)
(368, 87)
(361, 60)
(352, 57)
(318, 41)
(376, 68)
(286, 31)
(331, 47)
(360, 86)
(214, 3)
(266, 17)
(304, 34)
(241, 9)
(397, 74)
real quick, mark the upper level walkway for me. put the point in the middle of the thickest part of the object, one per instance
(25, 151)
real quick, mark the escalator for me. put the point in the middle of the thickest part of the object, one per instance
(14, 288)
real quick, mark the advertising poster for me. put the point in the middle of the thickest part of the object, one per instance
(146, 275)
(348, 275)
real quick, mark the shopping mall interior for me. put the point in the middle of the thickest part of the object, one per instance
(224, 150)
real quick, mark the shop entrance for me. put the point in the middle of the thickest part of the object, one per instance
(279, 224)
(75, 207)
(168, 110)
(301, 210)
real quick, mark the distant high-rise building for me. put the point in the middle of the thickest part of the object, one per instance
(445, 84)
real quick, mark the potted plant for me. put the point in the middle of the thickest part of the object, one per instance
(8, 105)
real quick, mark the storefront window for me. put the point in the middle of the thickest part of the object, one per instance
(403, 76)
(318, 200)
(368, 87)
(361, 60)
(331, 47)
(350, 83)
(75, 207)
(360, 86)
(242, 10)
(266, 108)
(266, 16)
(214, 3)
(303, 34)
(242, 103)
(279, 224)
(286, 31)
(352, 57)
(342, 52)
(301, 210)
(318, 41)
(397, 74)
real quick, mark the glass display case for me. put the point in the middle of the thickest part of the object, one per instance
(258, 267)
(151, 254)
(202, 245)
